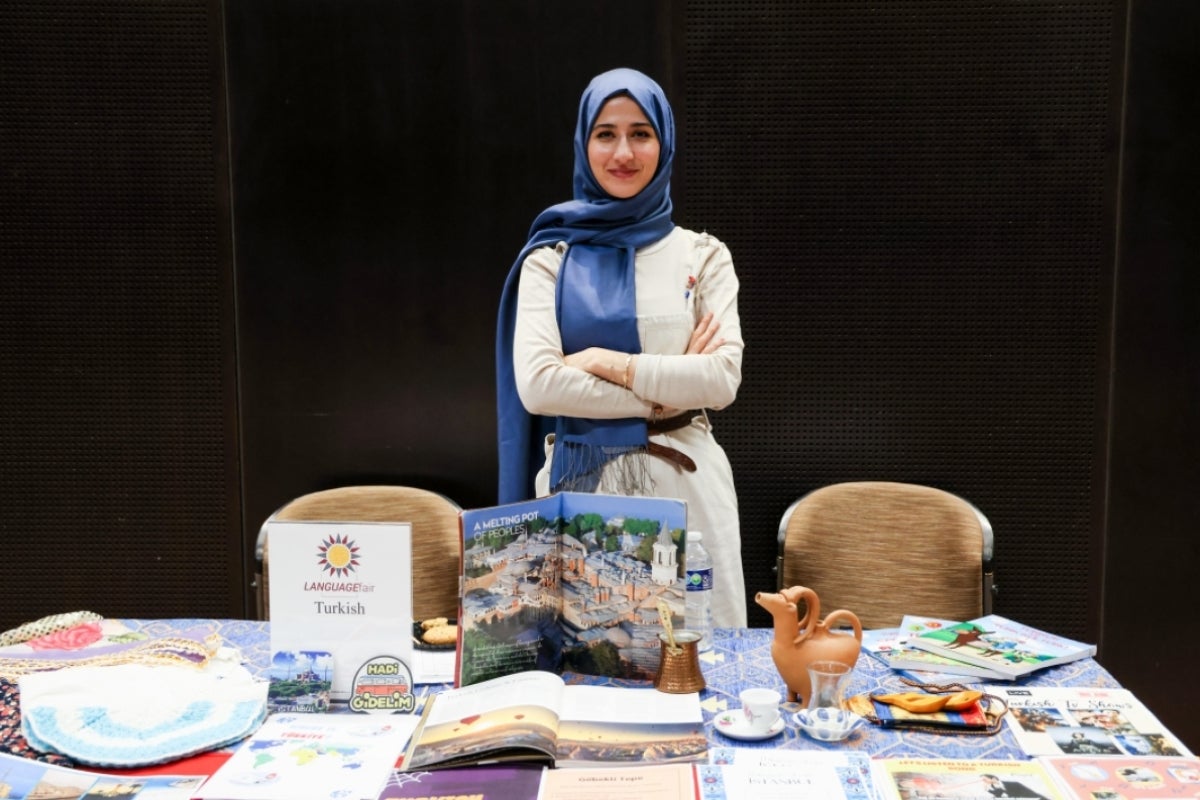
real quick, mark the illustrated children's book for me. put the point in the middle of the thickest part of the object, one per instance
(890, 646)
(954, 779)
(1126, 778)
(536, 717)
(569, 582)
(1001, 644)
(1085, 721)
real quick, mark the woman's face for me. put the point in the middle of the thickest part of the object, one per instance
(622, 148)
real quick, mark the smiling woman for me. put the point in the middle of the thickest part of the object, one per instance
(617, 330)
(623, 149)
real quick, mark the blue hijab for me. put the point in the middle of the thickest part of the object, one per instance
(594, 298)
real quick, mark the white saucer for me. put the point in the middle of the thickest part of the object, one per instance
(733, 725)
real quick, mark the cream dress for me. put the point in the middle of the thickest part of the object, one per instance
(678, 278)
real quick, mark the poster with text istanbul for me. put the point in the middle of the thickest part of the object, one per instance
(570, 583)
(344, 589)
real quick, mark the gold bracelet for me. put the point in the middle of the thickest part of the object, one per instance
(625, 376)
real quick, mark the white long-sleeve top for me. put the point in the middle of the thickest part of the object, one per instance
(678, 279)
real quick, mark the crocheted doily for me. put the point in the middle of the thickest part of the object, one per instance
(134, 714)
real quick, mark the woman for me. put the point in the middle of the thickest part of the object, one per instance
(617, 329)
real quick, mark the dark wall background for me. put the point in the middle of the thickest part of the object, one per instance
(1151, 547)
(119, 479)
(920, 200)
(253, 249)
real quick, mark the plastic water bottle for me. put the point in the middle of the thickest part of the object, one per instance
(698, 610)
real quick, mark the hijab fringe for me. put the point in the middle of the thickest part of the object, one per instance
(624, 470)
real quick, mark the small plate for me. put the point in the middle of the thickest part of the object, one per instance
(828, 724)
(421, 644)
(733, 725)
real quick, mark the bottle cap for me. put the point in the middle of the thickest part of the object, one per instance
(694, 536)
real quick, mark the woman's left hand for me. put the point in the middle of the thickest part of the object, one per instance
(704, 336)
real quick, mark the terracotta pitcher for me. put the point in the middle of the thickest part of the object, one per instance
(799, 642)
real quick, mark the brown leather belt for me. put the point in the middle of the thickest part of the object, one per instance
(670, 423)
(676, 457)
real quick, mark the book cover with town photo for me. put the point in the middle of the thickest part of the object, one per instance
(569, 583)
(1085, 721)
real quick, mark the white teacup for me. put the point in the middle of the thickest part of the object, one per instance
(761, 708)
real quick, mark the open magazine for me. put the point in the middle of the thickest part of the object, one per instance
(570, 582)
(536, 717)
(1085, 721)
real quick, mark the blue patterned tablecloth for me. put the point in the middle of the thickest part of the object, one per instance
(741, 658)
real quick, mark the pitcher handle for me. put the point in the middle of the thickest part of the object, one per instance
(851, 617)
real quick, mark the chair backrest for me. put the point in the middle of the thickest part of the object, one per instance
(883, 550)
(435, 532)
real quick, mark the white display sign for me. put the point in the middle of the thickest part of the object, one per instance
(345, 589)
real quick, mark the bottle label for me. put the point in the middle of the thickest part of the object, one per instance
(699, 580)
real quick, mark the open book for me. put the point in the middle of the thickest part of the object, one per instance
(1000, 644)
(534, 716)
(569, 582)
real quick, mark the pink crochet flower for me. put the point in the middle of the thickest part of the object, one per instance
(75, 638)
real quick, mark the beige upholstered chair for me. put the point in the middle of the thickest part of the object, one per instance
(435, 533)
(883, 550)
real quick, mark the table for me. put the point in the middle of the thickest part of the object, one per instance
(741, 658)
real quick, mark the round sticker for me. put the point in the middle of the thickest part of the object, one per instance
(383, 685)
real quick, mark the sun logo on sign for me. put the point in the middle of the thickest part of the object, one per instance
(338, 555)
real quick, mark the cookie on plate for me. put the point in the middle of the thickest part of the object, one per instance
(441, 634)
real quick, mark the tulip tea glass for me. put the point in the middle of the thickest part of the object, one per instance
(828, 681)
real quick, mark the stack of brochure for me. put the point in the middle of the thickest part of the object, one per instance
(890, 646)
(990, 648)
